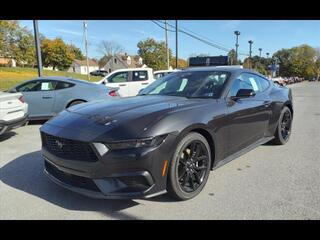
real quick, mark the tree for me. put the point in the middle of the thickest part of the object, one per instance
(153, 53)
(110, 48)
(232, 57)
(56, 53)
(103, 61)
(76, 52)
(17, 43)
(181, 63)
(8, 37)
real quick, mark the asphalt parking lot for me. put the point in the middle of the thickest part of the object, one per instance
(270, 182)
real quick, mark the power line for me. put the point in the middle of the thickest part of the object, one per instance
(199, 38)
(161, 26)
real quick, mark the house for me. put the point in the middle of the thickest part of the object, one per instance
(80, 66)
(123, 61)
(10, 62)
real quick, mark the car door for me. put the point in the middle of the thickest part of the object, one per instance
(138, 80)
(248, 117)
(40, 96)
(120, 80)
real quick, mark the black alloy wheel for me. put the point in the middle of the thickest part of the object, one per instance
(190, 167)
(283, 131)
(286, 125)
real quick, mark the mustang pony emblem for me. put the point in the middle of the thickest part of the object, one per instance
(59, 144)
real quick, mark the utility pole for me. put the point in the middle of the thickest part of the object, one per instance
(260, 49)
(37, 43)
(268, 61)
(176, 43)
(237, 33)
(85, 26)
(250, 52)
(167, 49)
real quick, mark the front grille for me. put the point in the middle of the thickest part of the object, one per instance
(68, 149)
(71, 179)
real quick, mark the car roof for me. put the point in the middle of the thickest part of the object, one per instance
(231, 69)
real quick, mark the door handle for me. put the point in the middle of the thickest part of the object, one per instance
(122, 85)
(46, 97)
(144, 83)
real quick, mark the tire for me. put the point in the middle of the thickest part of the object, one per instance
(196, 169)
(75, 103)
(279, 137)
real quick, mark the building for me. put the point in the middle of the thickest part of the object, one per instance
(80, 66)
(10, 62)
(123, 61)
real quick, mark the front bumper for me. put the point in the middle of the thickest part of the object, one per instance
(6, 126)
(119, 174)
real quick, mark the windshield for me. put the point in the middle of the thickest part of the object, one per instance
(195, 84)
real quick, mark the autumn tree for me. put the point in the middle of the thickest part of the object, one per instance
(153, 53)
(76, 52)
(181, 63)
(56, 53)
(17, 43)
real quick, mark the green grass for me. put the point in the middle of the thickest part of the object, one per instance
(10, 76)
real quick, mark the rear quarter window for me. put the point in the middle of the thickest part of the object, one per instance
(139, 75)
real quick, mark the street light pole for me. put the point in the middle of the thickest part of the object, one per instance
(237, 33)
(176, 43)
(37, 43)
(250, 52)
(167, 49)
(260, 49)
(86, 46)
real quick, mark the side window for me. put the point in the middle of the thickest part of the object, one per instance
(234, 88)
(48, 85)
(139, 75)
(118, 77)
(29, 87)
(264, 83)
(243, 81)
(63, 85)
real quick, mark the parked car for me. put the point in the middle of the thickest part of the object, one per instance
(47, 96)
(161, 73)
(101, 73)
(129, 80)
(13, 111)
(279, 80)
(167, 138)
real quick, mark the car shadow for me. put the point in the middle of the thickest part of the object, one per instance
(7, 135)
(25, 173)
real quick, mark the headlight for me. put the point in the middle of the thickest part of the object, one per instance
(136, 143)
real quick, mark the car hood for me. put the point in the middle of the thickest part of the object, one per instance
(116, 119)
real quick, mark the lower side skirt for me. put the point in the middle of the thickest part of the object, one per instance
(242, 152)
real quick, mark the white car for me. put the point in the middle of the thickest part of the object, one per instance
(129, 80)
(161, 73)
(13, 111)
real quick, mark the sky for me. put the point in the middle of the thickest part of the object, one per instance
(270, 35)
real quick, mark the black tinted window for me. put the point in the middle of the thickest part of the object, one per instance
(63, 85)
(139, 75)
(40, 85)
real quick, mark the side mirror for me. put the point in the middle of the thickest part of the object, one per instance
(244, 93)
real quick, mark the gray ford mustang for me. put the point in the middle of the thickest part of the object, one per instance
(47, 96)
(167, 138)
